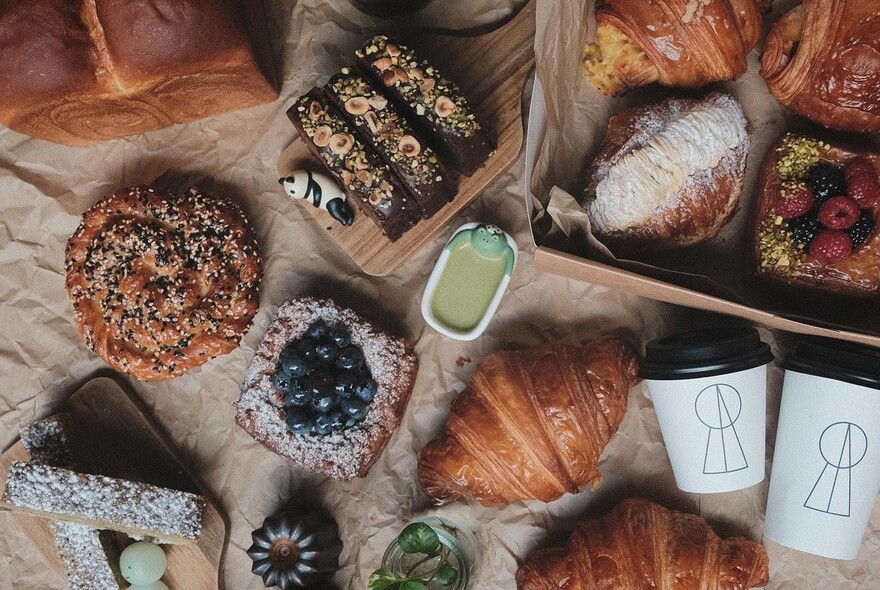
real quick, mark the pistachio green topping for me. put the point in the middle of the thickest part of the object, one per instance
(797, 154)
(779, 251)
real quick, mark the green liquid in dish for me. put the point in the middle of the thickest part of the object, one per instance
(466, 287)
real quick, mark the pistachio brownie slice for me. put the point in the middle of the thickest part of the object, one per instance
(363, 175)
(379, 124)
(435, 105)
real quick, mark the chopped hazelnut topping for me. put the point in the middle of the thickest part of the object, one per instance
(444, 106)
(341, 143)
(378, 102)
(409, 146)
(322, 136)
(357, 105)
(372, 121)
(389, 78)
(382, 64)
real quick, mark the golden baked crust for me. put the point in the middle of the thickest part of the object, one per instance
(858, 275)
(340, 455)
(822, 60)
(161, 283)
(682, 43)
(80, 71)
(641, 545)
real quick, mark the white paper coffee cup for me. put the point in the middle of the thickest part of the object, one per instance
(710, 393)
(826, 464)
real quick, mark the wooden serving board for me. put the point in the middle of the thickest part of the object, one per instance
(114, 437)
(491, 70)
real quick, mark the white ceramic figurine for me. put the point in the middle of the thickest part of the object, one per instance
(322, 191)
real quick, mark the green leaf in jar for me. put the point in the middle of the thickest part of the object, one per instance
(418, 538)
(413, 585)
(383, 579)
(446, 575)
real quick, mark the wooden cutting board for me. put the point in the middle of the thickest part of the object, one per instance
(115, 437)
(491, 70)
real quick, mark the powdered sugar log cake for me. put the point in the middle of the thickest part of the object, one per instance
(342, 454)
(668, 175)
(161, 283)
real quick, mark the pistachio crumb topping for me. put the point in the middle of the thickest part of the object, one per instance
(778, 249)
(797, 154)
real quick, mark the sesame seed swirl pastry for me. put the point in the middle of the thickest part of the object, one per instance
(379, 124)
(364, 177)
(434, 104)
(161, 283)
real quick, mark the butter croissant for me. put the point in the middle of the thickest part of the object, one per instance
(531, 424)
(681, 43)
(822, 60)
(641, 544)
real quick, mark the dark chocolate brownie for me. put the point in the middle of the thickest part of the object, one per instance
(381, 126)
(360, 171)
(431, 102)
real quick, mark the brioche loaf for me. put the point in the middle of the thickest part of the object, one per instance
(81, 71)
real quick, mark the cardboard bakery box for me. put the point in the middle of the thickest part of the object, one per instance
(562, 250)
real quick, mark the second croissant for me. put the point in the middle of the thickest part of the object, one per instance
(531, 424)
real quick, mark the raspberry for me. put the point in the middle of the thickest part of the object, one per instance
(826, 181)
(795, 203)
(830, 246)
(838, 213)
(862, 185)
(804, 228)
(861, 229)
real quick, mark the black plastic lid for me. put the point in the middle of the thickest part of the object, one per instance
(843, 361)
(705, 353)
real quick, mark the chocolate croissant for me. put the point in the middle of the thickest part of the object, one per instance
(682, 43)
(644, 545)
(531, 424)
(822, 60)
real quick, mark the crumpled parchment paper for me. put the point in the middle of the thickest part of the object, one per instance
(44, 189)
(635, 460)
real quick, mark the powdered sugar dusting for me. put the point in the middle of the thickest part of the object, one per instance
(340, 455)
(84, 557)
(678, 144)
(46, 441)
(104, 502)
(79, 546)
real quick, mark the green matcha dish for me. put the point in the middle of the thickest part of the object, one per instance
(469, 280)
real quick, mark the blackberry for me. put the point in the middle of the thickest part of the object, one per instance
(826, 181)
(861, 229)
(804, 228)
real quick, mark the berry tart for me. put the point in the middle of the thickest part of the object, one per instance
(817, 217)
(326, 388)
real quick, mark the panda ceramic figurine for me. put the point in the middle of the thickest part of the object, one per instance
(322, 191)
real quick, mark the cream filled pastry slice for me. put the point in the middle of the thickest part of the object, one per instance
(668, 175)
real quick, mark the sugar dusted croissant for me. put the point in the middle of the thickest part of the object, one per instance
(822, 60)
(668, 175)
(682, 43)
(644, 545)
(531, 424)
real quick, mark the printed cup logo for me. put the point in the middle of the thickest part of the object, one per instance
(843, 446)
(719, 407)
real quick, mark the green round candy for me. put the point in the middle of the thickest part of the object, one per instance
(143, 563)
(158, 585)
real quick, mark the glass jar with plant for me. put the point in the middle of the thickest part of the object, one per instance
(423, 557)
